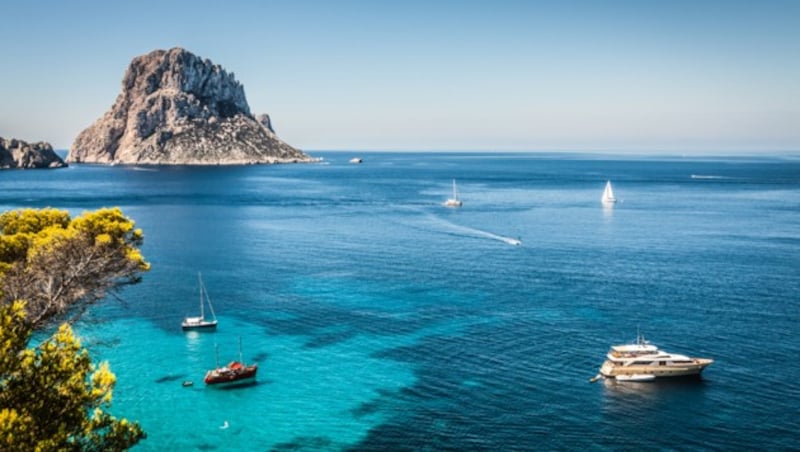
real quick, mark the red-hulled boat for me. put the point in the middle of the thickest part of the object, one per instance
(236, 373)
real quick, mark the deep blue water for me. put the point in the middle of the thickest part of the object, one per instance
(383, 321)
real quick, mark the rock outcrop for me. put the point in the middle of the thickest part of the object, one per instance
(21, 155)
(179, 109)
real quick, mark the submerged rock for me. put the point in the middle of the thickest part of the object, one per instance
(176, 108)
(21, 155)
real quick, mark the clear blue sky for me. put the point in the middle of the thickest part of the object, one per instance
(643, 75)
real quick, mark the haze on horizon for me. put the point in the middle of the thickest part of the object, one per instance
(622, 76)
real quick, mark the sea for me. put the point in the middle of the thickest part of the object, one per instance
(383, 321)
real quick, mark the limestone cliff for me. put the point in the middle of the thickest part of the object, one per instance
(22, 155)
(176, 108)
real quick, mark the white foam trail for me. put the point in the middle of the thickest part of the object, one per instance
(472, 232)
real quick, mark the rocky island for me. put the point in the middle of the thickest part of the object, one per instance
(17, 154)
(176, 108)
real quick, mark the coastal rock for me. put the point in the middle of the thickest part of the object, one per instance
(265, 121)
(21, 155)
(176, 108)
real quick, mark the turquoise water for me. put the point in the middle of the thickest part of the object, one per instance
(383, 321)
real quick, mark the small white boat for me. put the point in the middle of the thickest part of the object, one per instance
(356, 160)
(454, 201)
(201, 323)
(608, 194)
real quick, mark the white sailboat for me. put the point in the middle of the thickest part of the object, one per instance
(201, 323)
(454, 201)
(608, 194)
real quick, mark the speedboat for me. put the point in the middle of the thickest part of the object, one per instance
(643, 361)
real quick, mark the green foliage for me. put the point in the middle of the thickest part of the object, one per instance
(51, 396)
(32, 220)
(57, 263)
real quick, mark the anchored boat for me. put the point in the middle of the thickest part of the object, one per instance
(236, 373)
(608, 194)
(643, 361)
(454, 201)
(201, 323)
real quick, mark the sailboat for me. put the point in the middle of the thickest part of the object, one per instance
(608, 195)
(201, 323)
(454, 201)
(236, 373)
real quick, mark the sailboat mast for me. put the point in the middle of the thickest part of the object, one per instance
(240, 350)
(200, 280)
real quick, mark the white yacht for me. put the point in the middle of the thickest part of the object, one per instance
(644, 361)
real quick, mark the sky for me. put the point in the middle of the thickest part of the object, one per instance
(499, 75)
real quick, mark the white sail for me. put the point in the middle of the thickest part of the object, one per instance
(608, 194)
(454, 201)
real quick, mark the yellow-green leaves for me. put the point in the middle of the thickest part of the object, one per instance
(54, 261)
(104, 221)
(32, 220)
(51, 396)
(26, 232)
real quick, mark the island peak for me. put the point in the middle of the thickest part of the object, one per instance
(177, 108)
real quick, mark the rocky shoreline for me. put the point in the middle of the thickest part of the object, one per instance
(18, 154)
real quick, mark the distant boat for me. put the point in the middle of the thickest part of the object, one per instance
(236, 373)
(201, 323)
(356, 160)
(608, 194)
(454, 201)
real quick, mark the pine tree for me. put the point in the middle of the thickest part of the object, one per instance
(51, 268)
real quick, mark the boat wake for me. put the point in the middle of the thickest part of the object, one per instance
(472, 232)
(704, 176)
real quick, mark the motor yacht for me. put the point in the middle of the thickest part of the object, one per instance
(643, 361)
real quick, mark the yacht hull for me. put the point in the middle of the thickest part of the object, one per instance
(611, 369)
(247, 381)
(229, 377)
